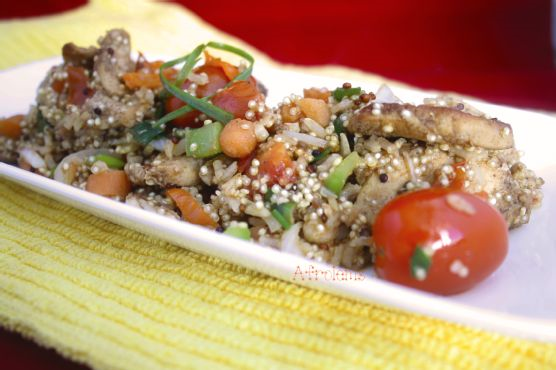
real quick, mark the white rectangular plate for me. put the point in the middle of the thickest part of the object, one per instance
(519, 299)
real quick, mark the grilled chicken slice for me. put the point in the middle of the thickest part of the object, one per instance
(165, 172)
(113, 60)
(431, 124)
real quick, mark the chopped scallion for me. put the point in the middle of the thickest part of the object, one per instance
(111, 161)
(336, 181)
(204, 142)
(420, 263)
(283, 213)
(341, 92)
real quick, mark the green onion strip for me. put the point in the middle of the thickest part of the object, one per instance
(145, 134)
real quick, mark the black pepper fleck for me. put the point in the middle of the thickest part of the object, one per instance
(110, 51)
(97, 111)
(383, 177)
(460, 106)
(315, 152)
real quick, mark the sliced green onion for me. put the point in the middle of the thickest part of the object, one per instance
(336, 181)
(203, 142)
(268, 196)
(338, 125)
(113, 162)
(146, 131)
(420, 263)
(42, 123)
(322, 155)
(238, 231)
(202, 105)
(190, 61)
(341, 92)
(283, 213)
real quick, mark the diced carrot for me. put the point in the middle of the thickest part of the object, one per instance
(316, 93)
(315, 109)
(149, 80)
(191, 209)
(11, 127)
(274, 162)
(109, 183)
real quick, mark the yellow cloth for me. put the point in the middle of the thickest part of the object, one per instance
(112, 298)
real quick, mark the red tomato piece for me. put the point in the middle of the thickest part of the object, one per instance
(441, 240)
(274, 162)
(235, 99)
(217, 80)
(78, 89)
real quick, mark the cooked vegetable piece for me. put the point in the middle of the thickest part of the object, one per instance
(11, 127)
(336, 181)
(317, 157)
(339, 125)
(283, 213)
(239, 231)
(109, 183)
(440, 240)
(316, 93)
(78, 89)
(204, 142)
(191, 209)
(115, 163)
(238, 138)
(315, 109)
(146, 131)
(341, 92)
(235, 99)
(276, 163)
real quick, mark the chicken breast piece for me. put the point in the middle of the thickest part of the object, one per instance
(164, 172)
(431, 124)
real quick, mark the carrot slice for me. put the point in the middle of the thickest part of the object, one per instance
(109, 183)
(149, 80)
(190, 208)
(11, 127)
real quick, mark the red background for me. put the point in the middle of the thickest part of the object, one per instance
(497, 50)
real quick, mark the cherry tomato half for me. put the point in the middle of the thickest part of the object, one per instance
(440, 240)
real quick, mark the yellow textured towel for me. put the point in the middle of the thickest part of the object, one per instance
(109, 297)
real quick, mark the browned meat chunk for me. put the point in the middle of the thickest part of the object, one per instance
(432, 124)
(113, 60)
(79, 56)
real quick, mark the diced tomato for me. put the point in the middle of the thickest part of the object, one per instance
(235, 99)
(78, 89)
(274, 162)
(243, 164)
(11, 127)
(58, 85)
(217, 80)
(191, 209)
